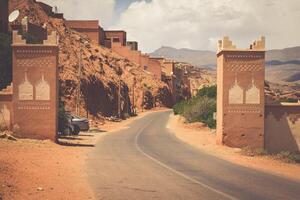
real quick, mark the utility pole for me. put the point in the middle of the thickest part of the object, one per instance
(79, 82)
(143, 100)
(119, 73)
(119, 98)
(79, 78)
(133, 99)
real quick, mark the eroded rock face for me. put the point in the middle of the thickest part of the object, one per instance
(99, 77)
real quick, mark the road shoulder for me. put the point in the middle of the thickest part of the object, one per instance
(33, 169)
(204, 139)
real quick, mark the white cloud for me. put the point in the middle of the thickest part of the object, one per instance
(103, 10)
(198, 24)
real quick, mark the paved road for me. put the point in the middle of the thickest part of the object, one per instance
(144, 161)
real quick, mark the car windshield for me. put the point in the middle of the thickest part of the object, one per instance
(76, 117)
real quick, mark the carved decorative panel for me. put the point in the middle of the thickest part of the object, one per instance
(42, 90)
(25, 90)
(253, 94)
(236, 94)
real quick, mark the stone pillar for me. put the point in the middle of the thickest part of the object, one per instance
(35, 91)
(240, 98)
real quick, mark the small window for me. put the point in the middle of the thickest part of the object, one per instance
(116, 39)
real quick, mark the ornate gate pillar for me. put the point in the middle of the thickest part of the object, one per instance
(241, 97)
(35, 88)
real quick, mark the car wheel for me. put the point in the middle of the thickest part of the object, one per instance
(68, 131)
(76, 130)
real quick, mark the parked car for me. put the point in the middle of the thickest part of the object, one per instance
(82, 124)
(74, 124)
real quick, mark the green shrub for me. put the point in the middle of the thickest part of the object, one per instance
(210, 92)
(200, 108)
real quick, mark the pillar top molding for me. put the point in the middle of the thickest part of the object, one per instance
(227, 45)
(52, 40)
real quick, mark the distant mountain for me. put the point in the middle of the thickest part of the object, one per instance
(197, 58)
(282, 65)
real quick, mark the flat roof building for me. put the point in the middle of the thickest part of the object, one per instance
(133, 45)
(90, 28)
(116, 36)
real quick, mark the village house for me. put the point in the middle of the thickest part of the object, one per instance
(49, 10)
(116, 36)
(133, 45)
(90, 28)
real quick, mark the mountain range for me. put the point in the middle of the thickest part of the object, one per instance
(282, 65)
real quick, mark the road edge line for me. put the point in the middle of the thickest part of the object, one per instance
(175, 171)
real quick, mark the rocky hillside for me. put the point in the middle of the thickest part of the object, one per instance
(100, 70)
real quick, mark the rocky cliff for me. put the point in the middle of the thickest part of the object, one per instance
(102, 70)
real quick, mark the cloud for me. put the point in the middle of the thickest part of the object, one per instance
(103, 10)
(198, 24)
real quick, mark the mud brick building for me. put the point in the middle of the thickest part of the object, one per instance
(240, 98)
(115, 36)
(155, 68)
(49, 11)
(90, 28)
(133, 45)
(3, 16)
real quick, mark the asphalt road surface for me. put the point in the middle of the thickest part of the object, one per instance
(145, 161)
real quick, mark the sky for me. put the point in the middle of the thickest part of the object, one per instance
(194, 24)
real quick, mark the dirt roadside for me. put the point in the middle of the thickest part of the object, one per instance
(204, 139)
(34, 170)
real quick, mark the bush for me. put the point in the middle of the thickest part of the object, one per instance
(288, 157)
(210, 92)
(247, 151)
(200, 108)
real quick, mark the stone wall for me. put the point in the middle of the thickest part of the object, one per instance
(282, 128)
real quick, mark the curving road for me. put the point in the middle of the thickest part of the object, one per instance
(144, 161)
